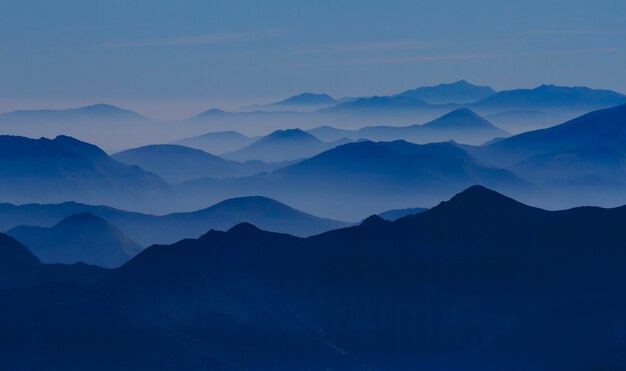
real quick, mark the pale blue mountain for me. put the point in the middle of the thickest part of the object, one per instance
(176, 163)
(283, 145)
(457, 92)
(217, 142)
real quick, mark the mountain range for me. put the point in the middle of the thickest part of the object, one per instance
(63, 168)
(461, 125)
(176, 163)
(154, 229)
(284, 145)
(217, 142)
(459, 92)
(480, 281)
(362, 178)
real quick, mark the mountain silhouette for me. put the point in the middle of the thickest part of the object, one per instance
(379, 104)
(176, 163)
(307, 99)
(282, 145)
(551, 97)
(217, 142)
(53, 170)
(457, 92)
(481, 281)
(152, 229)
(95, 112)
(78, 238)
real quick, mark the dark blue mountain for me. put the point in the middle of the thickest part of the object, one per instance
(457, 92)
(307, 99)
(480, 281)
(60, 169)
(78, 238)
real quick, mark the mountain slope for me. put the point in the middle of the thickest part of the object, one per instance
(481, 281)
(457, 92)
(176, 163)
(216, 142)
(362, 178)
(45, 170)
(281, 145)
(151, 229)
(551, 97)
(78, 238)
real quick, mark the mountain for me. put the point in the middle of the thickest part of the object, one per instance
(361, 178)
(461, 125)
(304, 102)
(519, 121)
(216, 142)
(395, 214)
(92, 112)
(20, 268)
(551, 98)
(78, 238)
(603, 128)
(282, 145)
(384, 104)
(152, 229)
(460, 92)
(480, 281)
(176, 163)
(63, 168)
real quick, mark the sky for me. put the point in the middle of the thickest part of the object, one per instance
(171, 59)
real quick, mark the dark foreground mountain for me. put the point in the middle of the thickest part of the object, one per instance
(176, 163)
(362, 178)
(63, 168)
(481, 282)
(147, 229)
(78, 238)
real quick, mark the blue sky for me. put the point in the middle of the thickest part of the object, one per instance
(173, 58)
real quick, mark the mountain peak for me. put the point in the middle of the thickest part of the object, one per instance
(480, 198)
(307, 98)
(244, 228)
(373, 220)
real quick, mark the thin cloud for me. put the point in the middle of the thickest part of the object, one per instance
(366, 47)
(196, 40)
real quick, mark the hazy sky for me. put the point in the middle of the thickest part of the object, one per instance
(173, 58)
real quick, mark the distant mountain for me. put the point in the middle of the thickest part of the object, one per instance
(304, 102)
(481, 281)
(217, 142)
(92, 112)
(519, 121)
(20, 268)
(176, 163)
(551, 98)
(395, 214)
(461, 125)
(282, 145)
(361, 178)
(307, 99)
(79, 238)
(60, 169)
(151, 229)
(457, 92)
(599, 129)
(378, 104)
